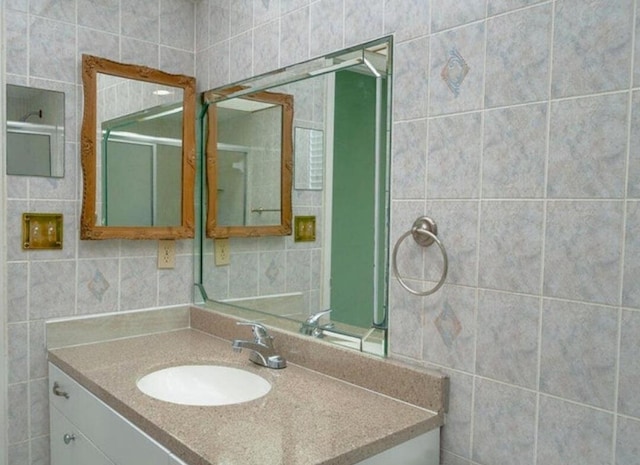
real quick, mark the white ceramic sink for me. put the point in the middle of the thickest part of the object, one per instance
(204, 385)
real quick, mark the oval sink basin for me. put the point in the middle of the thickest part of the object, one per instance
(203, 385)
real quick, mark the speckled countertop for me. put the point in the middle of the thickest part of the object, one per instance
(307, 417)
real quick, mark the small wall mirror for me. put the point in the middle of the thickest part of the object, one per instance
(138, 152)
(35, 132)
(249, 143)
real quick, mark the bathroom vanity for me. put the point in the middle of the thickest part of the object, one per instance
(99, 416)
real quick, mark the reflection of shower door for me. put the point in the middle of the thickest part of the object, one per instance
(232, 185)
(128, 184)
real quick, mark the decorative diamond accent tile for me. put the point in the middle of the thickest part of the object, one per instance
(98, 285)
(448, 325)
(454, 71)
(272, 272)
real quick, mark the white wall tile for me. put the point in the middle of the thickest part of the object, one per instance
(574, 268)
(514, 152)
(587, 147)
(511, 243)
(406, 19)
(627, 446)
(507, 341)
(588, 27)
(447, 14)
(628, 395)
(504, 424)
(578, 352)
(571, 433)
(141, 20)
(453, 170)
(518, 57)
(103, 15)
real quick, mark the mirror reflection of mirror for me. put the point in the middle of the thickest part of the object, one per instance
(138, 152)
(308, 147)
(249, 150)
(341, 119)
(35, 132)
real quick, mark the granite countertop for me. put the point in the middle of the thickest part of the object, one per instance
(306, 418)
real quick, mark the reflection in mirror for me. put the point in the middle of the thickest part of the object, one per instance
(341, 115)
(35, 132)
(141, 159)
(138, 152)
(309, 158)
(249, 146)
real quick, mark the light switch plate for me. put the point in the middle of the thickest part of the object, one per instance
(41, 231)
(166, 254)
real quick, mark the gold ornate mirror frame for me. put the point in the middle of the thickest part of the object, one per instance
(216, 230)
(91, 67)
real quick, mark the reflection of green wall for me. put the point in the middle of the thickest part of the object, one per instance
(352, 240)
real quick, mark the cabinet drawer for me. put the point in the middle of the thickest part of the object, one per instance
(121, 441)
(77, 449)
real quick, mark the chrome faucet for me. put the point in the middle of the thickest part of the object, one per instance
(311, 326)
(262, 350)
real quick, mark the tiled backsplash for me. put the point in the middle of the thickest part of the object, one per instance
(515, 126)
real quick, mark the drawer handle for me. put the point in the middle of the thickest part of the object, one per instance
(59, 392)
(67, 438)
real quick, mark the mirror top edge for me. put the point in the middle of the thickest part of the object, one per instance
(96, 64)
(309, 68)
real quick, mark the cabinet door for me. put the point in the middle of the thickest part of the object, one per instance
(77, 449)
(422, 450)
(122, 442)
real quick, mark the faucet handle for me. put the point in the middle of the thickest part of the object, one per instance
(315, 317)
(260, 332)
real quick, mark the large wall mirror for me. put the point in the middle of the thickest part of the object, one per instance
(249, 150)
(138, 152)
(341, 123)
(35, 132)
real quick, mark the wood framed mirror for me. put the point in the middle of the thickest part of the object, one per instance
(249, 164)
(138, 152)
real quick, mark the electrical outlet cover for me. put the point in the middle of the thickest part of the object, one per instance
(166, 254)
(222, 251)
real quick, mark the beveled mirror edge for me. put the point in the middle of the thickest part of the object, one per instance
(286, 173)
(91, 66)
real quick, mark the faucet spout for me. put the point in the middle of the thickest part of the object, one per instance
(262, 349)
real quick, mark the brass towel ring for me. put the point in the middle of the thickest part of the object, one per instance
(424, 232)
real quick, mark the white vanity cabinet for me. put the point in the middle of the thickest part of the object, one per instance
(421, 450)
(84, 430)
(70, 446)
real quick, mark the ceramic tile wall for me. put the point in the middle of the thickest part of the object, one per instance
(515, 126)
(45, 40)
